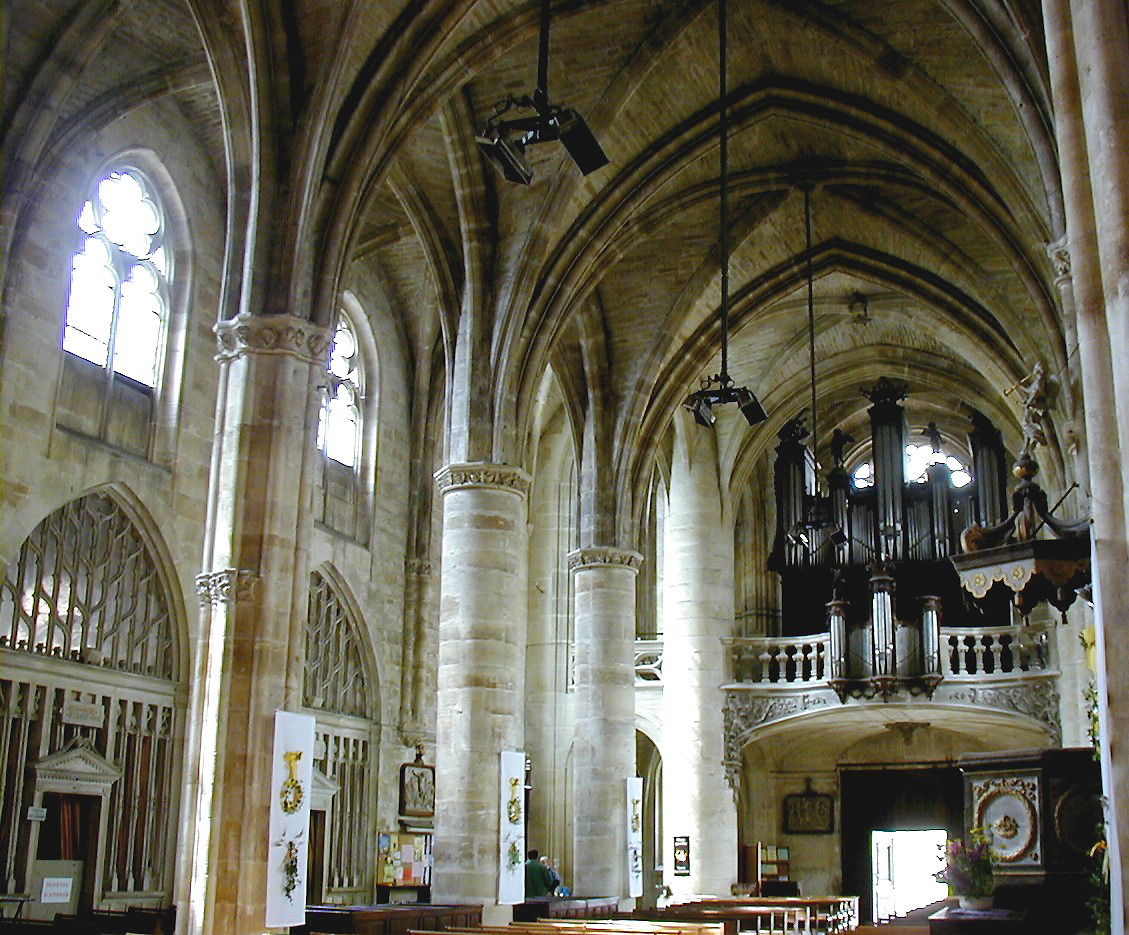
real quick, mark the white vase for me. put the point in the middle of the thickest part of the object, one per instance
(975, 902)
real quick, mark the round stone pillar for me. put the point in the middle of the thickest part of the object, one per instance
(482, 623)
(1086, 47)
(697, 612)
(604, 754)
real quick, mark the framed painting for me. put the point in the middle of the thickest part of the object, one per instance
(809, 813)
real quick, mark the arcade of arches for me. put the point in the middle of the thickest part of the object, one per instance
(305, 408)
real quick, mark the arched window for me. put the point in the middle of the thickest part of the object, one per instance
(118, 300)
(340, 424)
(919, 458)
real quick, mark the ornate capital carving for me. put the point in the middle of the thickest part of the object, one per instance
(1059, 252)
(598, 556)
(482, 474)
(228, 586)
(272, 334)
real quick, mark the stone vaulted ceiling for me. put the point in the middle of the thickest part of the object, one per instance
(923, 124)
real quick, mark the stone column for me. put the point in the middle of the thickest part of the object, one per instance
(482, 624)
(698, 612)
(253, 599)
(604, 753)
(1088, 99)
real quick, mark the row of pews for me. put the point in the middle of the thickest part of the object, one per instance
(818, 915)
(762, 915)
(134, 921)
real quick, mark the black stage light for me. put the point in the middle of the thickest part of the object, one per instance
(699, 405)
(581, 143)
(508, 155)
(836, 536)
(750, 407)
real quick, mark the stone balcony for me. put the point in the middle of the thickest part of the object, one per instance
(1003, 670)
(774, 681)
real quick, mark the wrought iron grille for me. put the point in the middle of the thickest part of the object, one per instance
(334, 675)
(84, 587)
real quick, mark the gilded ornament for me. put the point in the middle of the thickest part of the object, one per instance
(290, 794)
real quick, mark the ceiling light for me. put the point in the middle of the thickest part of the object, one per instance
(719, 388)
(581, 143)
(503, 142)
(507, 155)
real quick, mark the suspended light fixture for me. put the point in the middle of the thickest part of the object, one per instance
(817, 514)
(719, 388)
(504, 142)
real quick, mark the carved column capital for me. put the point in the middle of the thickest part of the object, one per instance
(604, 556)
(483, 474)
(227, 586)
(1059, 252)
(272, 335)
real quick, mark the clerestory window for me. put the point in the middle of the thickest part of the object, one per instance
(118, 302)
(340, 424)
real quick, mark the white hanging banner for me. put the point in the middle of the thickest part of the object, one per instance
(635, 836)
(291, 774)
(511, 835)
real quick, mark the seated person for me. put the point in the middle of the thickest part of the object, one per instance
(538, 880)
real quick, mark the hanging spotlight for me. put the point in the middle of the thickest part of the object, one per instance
(719, 388)
(504, 142)
(507, 155)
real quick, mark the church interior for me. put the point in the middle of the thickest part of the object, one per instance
(716, 409)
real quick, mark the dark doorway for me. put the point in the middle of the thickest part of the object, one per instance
(70, 832)
(315, 861)
(892, 800)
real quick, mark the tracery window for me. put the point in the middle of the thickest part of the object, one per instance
(84, 587)
(118, 301)
(337, 692)
(340, 424)
(84, 591)
(334, 675)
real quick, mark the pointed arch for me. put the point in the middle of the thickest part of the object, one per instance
(93, 655)
(341, 689)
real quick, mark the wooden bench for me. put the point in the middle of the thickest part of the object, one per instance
(821, 915)
(551, 907)
(830, 914)
(388, 919)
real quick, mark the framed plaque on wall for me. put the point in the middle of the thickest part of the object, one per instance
(809, 812)
(417, 789)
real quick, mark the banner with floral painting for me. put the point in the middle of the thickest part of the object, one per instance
(291, 774)
(634, 836)
(511, 836)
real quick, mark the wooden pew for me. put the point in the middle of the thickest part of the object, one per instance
(551, 907)
(619, 926)
(826, 915)
(387, 918)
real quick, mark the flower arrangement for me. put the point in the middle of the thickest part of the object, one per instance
(968, 867)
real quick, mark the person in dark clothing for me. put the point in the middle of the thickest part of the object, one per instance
(538, 879)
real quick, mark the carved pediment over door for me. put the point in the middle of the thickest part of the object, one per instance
(77, 768)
